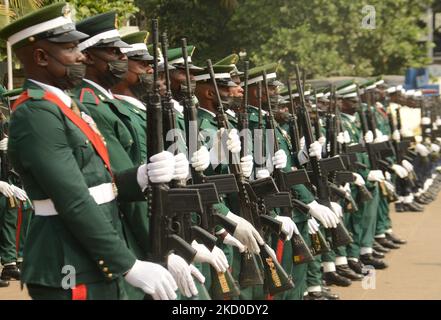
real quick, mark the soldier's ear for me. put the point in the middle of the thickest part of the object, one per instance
(40, 57)
(210, 94)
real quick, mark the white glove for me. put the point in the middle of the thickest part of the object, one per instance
(387, 176)
(322, 140)
(337, 209)
(313, 226)
(6, 189)
(288, 226)
(406, 164)
(434, 148)
(153, 279)
(246, 233)
(400, 171)
(376, 175)
(323, 214)
(369, 137)
(422, 150)
(425, 121)
(341, 138)
(359, 181)
(232, 241)
(418, 139)
(216, 257)
(379, 135)
(182, 273)
(233, 142)
(396, 135)
(262, 173)
(201, 159)
(218, 154)
(280, 159)
(271, 252)
(347, 136)
(181, 167)
(438, 121)
(20, 194)
(161, 167)
(4, 144)
(246, 163)
(315, 150)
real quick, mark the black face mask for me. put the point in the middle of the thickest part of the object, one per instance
(74, 74)
(117, 71)
(231, 102)
(144, 85)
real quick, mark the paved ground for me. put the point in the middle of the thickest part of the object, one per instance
(414, 270)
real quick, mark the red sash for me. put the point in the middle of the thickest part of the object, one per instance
(93, 137)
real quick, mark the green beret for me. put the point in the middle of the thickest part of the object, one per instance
(176, 58)
(52, 23)
(102, 31)
(138, 49)
(221, 73)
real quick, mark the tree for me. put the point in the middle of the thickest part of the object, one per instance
(325, 36)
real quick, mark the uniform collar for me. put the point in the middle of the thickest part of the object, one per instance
(177, 106)
(351, 117)
(207, 111)
(133, 101)
(57, 91)
(105, 92)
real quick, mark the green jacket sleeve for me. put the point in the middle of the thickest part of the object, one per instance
(38, 141)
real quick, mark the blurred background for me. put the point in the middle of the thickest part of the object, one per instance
(327, 38)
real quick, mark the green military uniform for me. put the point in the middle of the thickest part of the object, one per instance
(298, 272)
(383, 219)
(94, 244)
(361, 223)
(120, 127)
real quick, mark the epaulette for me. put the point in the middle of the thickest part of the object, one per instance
(88, 96)
(36, 94)
(205, 123)
(254, 117)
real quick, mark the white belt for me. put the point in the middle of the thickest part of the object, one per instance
(103, 193)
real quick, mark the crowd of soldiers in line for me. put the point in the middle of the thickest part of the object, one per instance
(126, 182)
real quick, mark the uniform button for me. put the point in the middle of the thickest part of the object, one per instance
(101, 262)
(87, 141)
(105, 269)
(109, 275)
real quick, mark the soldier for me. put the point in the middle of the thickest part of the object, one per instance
(106, 67)
(77, 227)
(361, 222)
(133, 92)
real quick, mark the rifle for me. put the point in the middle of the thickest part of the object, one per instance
(223, 284)
(164, 203)
(300, 251)
(276, 279)
(373, 149)
(340, 236)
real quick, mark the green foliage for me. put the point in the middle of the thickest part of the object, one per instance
(87, 8)
(326, 37)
